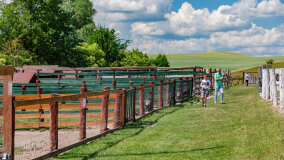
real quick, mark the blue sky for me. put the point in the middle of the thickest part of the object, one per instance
(254, 27)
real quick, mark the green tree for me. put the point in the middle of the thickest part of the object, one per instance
(136, 58)
(46, 28)
(92, 54)
(81, 12)
(161, 61)
(14, 50)
(108, 41)
(43, 28)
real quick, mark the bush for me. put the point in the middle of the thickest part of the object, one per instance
(136, 58)
(91, 54)
(161, 61)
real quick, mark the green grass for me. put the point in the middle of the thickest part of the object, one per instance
(226, 60)
(243, 128)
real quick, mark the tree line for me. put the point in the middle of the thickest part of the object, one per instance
(63, 32)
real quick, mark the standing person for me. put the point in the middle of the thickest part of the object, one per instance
(219, 85)
(205, 86)
(247, 76)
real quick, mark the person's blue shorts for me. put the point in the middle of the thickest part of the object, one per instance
(204, 93)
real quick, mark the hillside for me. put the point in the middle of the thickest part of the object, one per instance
(233, 61)
(239, 73)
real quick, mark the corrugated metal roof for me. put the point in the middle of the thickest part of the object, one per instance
(26, 74)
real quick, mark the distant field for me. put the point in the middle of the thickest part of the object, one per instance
(233, 61)
(239, 73)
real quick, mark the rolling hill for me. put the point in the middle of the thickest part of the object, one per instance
(228, 60)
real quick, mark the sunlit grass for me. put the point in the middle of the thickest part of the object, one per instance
(243, 128)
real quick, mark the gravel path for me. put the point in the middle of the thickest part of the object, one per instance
(32, 144)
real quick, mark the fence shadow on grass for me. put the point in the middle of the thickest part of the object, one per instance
(163, 152)
(127, 132)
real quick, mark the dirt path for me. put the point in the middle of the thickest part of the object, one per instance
(31, 144)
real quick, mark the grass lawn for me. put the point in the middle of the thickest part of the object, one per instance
(225, 60)
(243, 128)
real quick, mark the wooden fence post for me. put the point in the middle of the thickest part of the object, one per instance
(23, 92)
(123, 107)
(76, 76)
(134, 103)
(104, 111)
(160, 94)
(263, 89)
(281, 90)
(273, 87)
(37, 82)
(210, 75)
(174, 91)
(193, 85)
(8, 111)
(117, 109)
(188, 89)
(53, 125)
(141, 100)
(168, 93)
(152, 95)
(270, 84)
(41, 111)
(267, 85)
(180, 89)
(114, 83)
(82, 123)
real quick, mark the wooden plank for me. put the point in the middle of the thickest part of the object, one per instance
(60, 124)
(47, 116)
(111, 96)
(58, 99)
(35, 96)
(63, 106)
(28, 96)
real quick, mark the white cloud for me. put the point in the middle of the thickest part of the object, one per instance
(129, 10)
(152, 28)
(270, 8)
(189, 21)
(228, 28)
(120, 14)
(255, 37)
(255, 40)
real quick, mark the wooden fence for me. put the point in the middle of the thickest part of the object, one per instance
(272, 86)
(123, 102)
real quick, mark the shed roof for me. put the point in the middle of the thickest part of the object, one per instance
(26, 73)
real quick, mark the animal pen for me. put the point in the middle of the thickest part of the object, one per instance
(68, 107)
